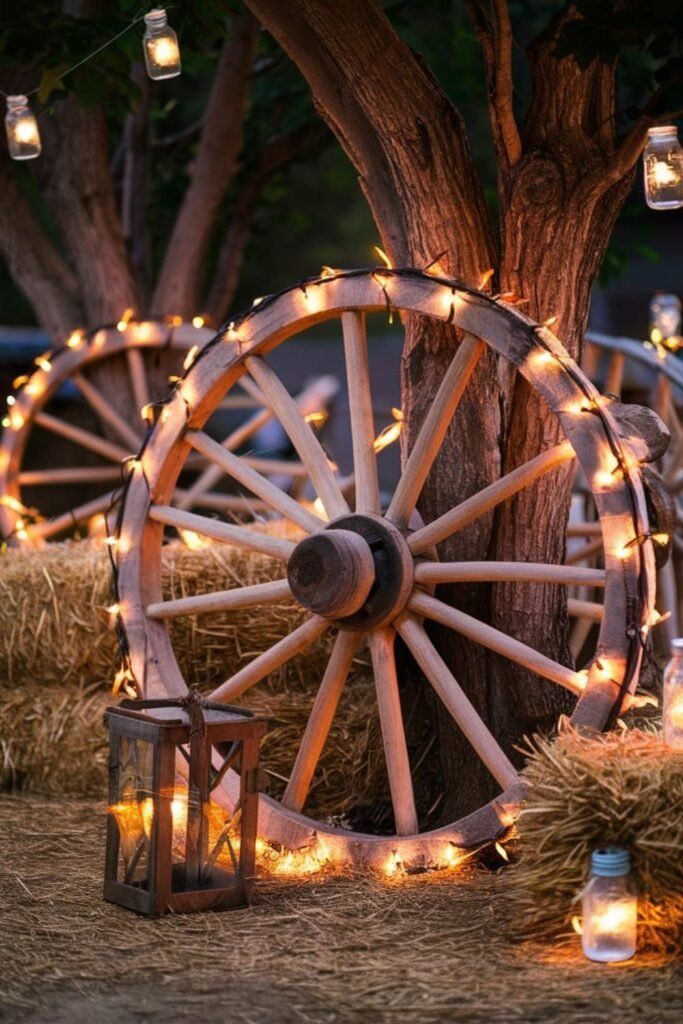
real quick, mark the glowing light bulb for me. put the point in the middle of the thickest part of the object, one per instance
(190, 357)
(44, 363)
(541, 360)
(114, 609)
(610, 907)
(197, 321)
(383, 256)
(160, 46)
(124, 321)
(23, 137)
(75, 339)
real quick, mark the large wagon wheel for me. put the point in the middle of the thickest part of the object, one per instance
(363, 572)
(103, 450)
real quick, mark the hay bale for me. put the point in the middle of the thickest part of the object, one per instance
(623, 788)
(59, 656)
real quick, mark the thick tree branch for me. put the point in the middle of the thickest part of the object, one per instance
(220, 144)
(274, 156)
(35, 265)
(495, 38)
(396, 125)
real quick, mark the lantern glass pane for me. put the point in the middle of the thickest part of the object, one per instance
(133, 810)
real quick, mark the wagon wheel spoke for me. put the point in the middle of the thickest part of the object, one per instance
(489, 497)
(301, 435)
(433, 430)
(275, 467)
(320, 719)
(250, 478)
(138, 377)
(80, 514)
(310, 397)
(518, 572)
(495, 640)
(284, 650)
(238, 536)
(84, 438)
(585, 552)
(580, 609)
(381, 645)
(68, 475)
(457, 702)
(107, 413)
(360, 412)
(222, 600)
(219, 502)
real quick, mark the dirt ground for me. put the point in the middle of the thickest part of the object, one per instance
(424, 949)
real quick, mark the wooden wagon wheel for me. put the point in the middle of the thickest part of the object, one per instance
(115, 438)
(363, 572)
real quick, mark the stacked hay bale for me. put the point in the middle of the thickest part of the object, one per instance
(623, 788)
(58, 658)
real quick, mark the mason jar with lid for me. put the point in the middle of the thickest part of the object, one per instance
(610, 907)
(663, 168)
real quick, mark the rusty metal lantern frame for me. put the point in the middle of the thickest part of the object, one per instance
(196, 741)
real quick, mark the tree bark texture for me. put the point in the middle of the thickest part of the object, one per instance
(558, 207)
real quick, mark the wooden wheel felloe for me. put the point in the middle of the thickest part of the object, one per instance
(367, 573)
(101, 452)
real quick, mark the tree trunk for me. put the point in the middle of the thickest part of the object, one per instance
(409, 147)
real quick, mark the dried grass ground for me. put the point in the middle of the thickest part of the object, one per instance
(326, 950)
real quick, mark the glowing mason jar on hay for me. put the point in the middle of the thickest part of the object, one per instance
(663, 169)
(23, 137)
(160, 45)
(170, 846)
(672, 697)
(665, 319)
(610, 907)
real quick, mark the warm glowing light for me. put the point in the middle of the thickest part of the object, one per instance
(485, 278)
(664, 174)
(581, 678)
(23, 137)
(329, 272)
(232, 334)
(603, 670)
(20, 381)
(624, 552)
(316, 418)
(501, 851)
(577, 925)
(655, 335)
(257, 301)
(392, 865)
(390, 433)
(194, 541)
(450, 856)
(16, 419)
(5, 422)
(175, 320)
(313, 298)
(197, 321)
(190, 357)
(114, 609)
(613, 918)
(660, 538)
(124, 682)
(11, 399)
(319, 509)
(549, 322)
(160, 46)
(147, 413)
(44, 363)
(75, 338)
(383, 256)
(124, 320)
(541, 360)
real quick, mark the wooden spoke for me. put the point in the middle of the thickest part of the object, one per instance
(79, 514)
(138, 377)
(259, 485)
(584, 529)
(238, 536)
(301, 436)
(320, 720)
(493, 572)
(68, 475)
(584, 553)
(222, 600)
(433, 430)
(252, 389)
(489, 497)
(580, 609)
(107, 412)
(615, 373)
(360, 411)
(271, 659)
(275, 467)
(488, 636)
(225, 502)
(381, 645)
(457, 702)
(84, 438)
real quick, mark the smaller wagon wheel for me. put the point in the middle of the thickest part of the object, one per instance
(102, 450)
(366, 572)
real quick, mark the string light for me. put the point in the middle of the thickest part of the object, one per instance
(23, 137)
(390, 433)
(160, 46)
(485, 278)
(75, 339)
(125, 320)
(43, 363)
(197, 321)
(190, 357)
(383, 256)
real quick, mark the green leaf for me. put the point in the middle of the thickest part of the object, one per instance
(51, 81)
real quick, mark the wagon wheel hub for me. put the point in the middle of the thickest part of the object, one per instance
(358, 572)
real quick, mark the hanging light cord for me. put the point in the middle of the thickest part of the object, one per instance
(90, 56)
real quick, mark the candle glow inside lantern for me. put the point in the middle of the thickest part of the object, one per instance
(672, 697)
(23, 137)
(663, 168)
(170, 847)
(160, 45)
(610, 907)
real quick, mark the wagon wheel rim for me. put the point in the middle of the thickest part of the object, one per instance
(116, 439)
(592, 438)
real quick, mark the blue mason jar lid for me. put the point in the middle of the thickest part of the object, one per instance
(610, 861)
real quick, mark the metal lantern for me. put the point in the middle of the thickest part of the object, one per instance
(170, 847)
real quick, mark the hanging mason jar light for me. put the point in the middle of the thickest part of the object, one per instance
(665, 320)
(610, 907)
(160, 45)
(23, 137)
(663, 168)
(672, 697)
